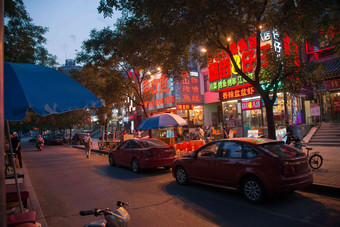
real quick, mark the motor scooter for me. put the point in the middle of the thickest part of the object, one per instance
(119, 217)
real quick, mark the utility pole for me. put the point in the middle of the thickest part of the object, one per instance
(2, 123)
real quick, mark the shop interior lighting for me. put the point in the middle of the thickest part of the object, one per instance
(204, 50)
(231, 101)
(247, 99)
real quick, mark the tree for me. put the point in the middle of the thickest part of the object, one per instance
(122, 55)
(103, 81)
(23, 41)
(180, 27)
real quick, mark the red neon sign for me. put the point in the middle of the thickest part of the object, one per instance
(237, 93)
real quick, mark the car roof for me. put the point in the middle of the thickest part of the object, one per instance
(257, 141)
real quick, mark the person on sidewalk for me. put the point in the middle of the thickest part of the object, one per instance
(88, 145)
(16, 147)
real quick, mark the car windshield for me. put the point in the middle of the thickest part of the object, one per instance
(282, 150)
(152, 143)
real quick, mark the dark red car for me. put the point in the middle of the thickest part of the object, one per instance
(143, 154)
(253, 166)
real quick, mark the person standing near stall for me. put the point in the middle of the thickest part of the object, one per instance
(16, 147)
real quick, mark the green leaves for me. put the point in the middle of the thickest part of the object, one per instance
(23, 41)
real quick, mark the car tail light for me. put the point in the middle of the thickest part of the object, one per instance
(287, 168)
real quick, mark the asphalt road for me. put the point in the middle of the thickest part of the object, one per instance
(65, 183)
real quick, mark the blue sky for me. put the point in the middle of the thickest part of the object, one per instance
(69, 23)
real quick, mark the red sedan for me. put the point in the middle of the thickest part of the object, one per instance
(253, 166)
(143, 154)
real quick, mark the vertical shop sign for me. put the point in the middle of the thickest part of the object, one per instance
(336, 105)
(189, 89)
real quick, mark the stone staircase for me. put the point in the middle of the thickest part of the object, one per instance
(328, 134)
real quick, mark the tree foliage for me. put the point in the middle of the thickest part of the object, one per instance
(23, 40)
(178, 28)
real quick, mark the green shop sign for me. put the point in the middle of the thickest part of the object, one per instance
(232, 81)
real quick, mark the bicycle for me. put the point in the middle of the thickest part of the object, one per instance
(315, 159)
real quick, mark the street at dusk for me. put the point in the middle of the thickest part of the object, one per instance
(169, 113)
(65, 183)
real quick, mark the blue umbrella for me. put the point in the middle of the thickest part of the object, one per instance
(162, 121)
(43, 90)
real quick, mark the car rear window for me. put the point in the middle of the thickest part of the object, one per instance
(152, 143)
(282, 150)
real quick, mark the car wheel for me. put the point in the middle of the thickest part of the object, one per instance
(135, 165)
(253, 190)
(181, 176)
(167, 167)
(111, 160)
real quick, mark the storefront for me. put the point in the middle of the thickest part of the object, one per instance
(242, 108)
(323, 103)
(183, 98)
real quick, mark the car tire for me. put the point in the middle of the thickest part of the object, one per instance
(135, 165)
(167, 167)
(111, 160)
(253, 190)
(181, 176)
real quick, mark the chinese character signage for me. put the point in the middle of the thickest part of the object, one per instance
(237, 93)
(160, 91)
(188, 90)
(331, 84)
(184, 106)
(222, 73)
(256, 104)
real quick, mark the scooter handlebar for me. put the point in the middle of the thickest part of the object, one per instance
(86, 212)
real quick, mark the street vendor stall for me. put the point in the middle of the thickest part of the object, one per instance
(163, 126)
(108, 141)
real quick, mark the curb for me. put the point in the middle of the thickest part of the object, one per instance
(323, 190)
(40, 217)
(92, 150)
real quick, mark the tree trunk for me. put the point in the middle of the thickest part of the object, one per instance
(285, 106)
(71, 134)
(270, 118)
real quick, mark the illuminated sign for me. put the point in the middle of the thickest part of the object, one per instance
(188, 90)
(256, 104)
(237, 93)
(159, 90)
(194, 74)
(184, 106)
(222, 73)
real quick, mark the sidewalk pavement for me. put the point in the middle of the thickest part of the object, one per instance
(327, 178)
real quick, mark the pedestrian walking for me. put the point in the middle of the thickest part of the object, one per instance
(88, 145)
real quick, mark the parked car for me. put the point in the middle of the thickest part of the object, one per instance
(254, 166)
(78, 138)
(53, 140)
(33, 140)
(143, 154)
